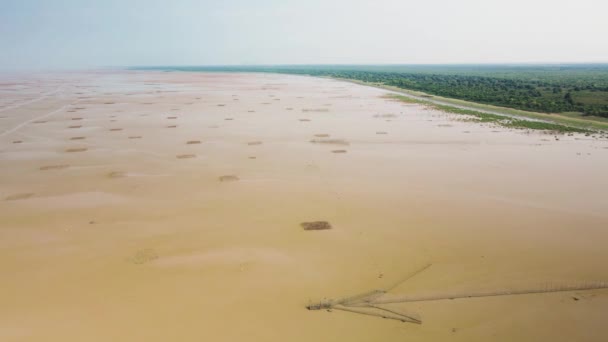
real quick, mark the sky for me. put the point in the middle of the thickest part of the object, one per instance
(47, 34)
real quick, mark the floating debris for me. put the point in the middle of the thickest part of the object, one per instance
(385, 116)
(21, 196)
(144, 256)
(330, 141)
(78, 149)
(228, 178)
(185, 156)
(54, 167)
(117, 174)
(316, 225)
(318, 110)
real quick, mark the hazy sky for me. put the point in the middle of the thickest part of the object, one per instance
(89, 33)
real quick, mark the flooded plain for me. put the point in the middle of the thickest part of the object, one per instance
(160, 206)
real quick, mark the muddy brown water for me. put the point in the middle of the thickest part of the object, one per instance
(170, 253)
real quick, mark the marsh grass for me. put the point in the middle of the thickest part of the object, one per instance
(501, 120)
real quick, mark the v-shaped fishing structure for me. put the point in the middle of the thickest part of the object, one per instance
(372, 303)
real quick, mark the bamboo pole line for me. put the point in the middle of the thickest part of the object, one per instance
(372, 300)
(408, 277)
(398, 317)
(542, 289)
(412, 319)
(369, 296)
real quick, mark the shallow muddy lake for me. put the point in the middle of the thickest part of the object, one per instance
(168, 206)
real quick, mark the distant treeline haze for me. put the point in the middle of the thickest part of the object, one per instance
(549, 89)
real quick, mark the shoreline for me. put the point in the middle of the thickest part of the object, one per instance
(599, 125)
(486, 108)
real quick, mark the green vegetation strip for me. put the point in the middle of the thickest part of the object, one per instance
(501, 120)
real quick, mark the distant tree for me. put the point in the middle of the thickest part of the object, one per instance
(568, 98)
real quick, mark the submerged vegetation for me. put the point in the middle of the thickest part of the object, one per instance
(501, 120)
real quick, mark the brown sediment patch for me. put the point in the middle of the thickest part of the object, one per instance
(17, 141)
(265, 103)
(445, 125)
(185, 156)
(135, 137)
(381, 132)
(320, 110)
(113, 120)
(304, 120)
(76, 119)
(322, 135)
(171, 126)
(171, 117)
(192, 142)
(143, 256)
(253, 143)
(80, 108)
(251, 111)
(39, 121)
(252, 157)
(71, 111)
(214, 126)
(221, 105)
(330, 141)
(338, 151)
(116, 174)
(316, 225)
(78, 138)
(108, 103)
(54, 167)
(77, 149)
(385, 116)
(288, 108)
(115, 129)
(228, 119)
(228, 178)
(75, 126)
(20, 196)
(148, 103)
